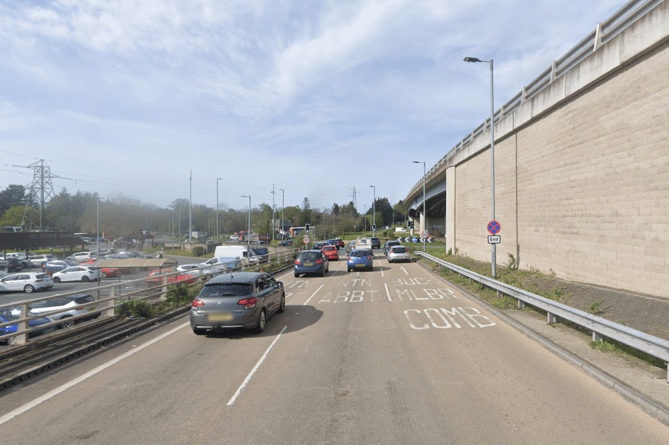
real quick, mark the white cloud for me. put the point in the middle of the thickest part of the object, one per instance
(332, 79)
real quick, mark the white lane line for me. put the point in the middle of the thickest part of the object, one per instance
(255, 368)
(312, 295)
(404, 270)
(7, 417)
(388, 293)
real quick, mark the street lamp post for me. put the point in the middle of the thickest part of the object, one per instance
(217, 234)
(424, 205)
(492, 152)
(374, 213)
(97, 239)
(248, 234)
(283, 204)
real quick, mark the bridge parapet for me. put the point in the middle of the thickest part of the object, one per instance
(525, 105)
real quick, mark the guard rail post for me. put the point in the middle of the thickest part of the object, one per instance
(163, 290)
(109, 312)
(21, 339)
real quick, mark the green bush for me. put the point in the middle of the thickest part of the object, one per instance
(180, 295)
(135, 309)
(198, 251)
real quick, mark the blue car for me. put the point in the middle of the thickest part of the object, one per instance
(7, 315)
(311, 262)
(52, 267)
(360, 259)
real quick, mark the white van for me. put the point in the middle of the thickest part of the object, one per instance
(220, 263)
(364, 243)
(240, 252)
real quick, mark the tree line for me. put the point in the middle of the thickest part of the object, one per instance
(124, 217)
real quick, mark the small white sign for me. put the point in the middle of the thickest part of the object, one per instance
(305, 239)
(494, 239)
(424, 234)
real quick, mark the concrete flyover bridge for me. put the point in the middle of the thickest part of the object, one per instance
(581, 164)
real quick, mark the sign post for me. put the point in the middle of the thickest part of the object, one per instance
(494, 227)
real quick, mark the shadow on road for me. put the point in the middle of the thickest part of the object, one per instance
(295, 318)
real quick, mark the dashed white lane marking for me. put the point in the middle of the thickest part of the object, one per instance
(312, 295)
(255, 368)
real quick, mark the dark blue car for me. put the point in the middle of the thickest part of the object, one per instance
(11, 314)
(311, 262)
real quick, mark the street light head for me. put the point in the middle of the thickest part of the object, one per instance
(472, 59)
(416, 162)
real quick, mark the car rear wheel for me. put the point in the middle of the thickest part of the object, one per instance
(260, 327)
(56, 280)
(297, 275)
(198, 331)
(68, 323)
(85, 279)
(28, 289)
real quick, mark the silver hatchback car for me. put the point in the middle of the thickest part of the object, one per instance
(398, 253)
(237, 300)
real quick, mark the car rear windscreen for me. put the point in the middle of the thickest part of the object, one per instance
(308, 256)
(226, 290)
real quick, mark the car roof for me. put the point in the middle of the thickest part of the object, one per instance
(60, 301)
(237, 277)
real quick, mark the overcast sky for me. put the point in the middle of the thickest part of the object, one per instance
(315, 97)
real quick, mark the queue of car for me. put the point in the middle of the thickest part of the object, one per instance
(230, 300)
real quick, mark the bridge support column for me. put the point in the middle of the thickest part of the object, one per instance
(450, 209)
(422, 222)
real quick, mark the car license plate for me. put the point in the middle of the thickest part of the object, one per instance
(220, 317)
(359, 265)
(308, 264)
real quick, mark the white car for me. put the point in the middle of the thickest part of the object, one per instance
(39, 260)
(82, 256)
(71, 306)
(398, 253)
(76, 273)
(26, 282)
(197, 270)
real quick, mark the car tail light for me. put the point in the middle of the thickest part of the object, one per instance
(79, 308)
(369, 257)
(197, 303)
(319, 261)
(297, 262)
(248, 303)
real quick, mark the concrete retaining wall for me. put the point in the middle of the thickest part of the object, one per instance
(582, 171)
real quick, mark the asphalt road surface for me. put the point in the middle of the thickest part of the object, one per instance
(392, 356)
